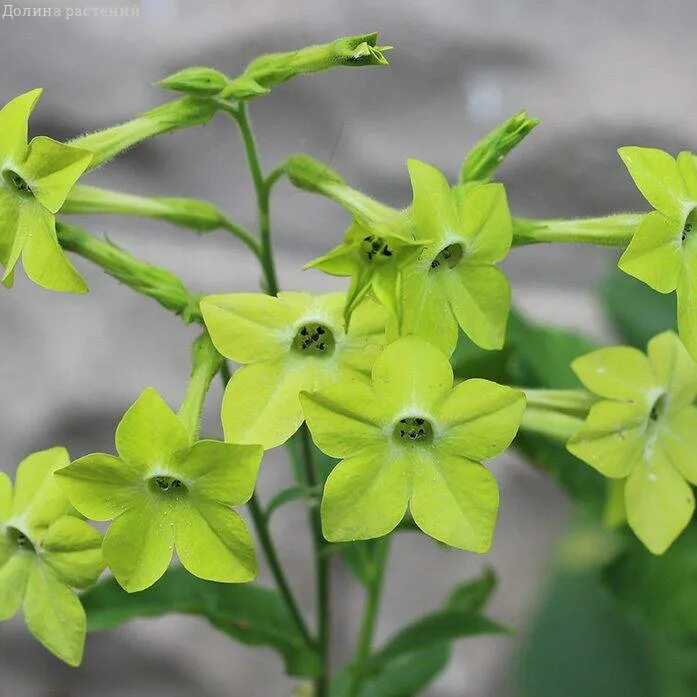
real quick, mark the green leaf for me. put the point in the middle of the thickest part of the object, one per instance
(472, 596)
(253, 615)
(292, 493)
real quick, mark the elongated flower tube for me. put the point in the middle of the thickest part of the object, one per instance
(35, 179)
(46, 551)
(643, 433)
(287, 344)
(165, 492)
(663, 250)
(410, 440)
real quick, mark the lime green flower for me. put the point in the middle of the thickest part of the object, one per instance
(46, 551)
(454, 281)
(376, 247)
(663, 251)
(412, 440)
(644, 432)
(165, 492)
(287, 344)
(35, 179)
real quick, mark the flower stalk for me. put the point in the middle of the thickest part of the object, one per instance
(607, 231)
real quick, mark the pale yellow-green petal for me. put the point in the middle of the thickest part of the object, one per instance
(480, 419)
(365, 496)
(612, 439)
(654, 254)
(14, 575)
(12, 238)
(14, 123)
(619, 372)
(433, 211)
(213, 542)
(486, 224)
(674, 369)
(678, 438)
(687, 163)
(150, 434)
(687, 300)
(412, 375)
(455, 501)
(480, 297)
(5, 496)
(660, 503)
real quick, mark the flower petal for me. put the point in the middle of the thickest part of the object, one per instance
(659, 503)
(674, 369)
(687, 164)
(14, 124)
(612, 439)
(345, 419)
(455, 501)
(486, 223)
(149, 434)
(365, 496)
(619, 372)
(213, 543)
(433, 212)
(261, 405)
(14, 575)
(73, 549)
(38, 499)
(678, 438)
(12, 238)
(222, 472)
(42, 257)
(687, 300)
(365, 339)
(412, 375)
(52, 169)
(340, 261)
(480, 297)
(139, 544)
(426, 311)
(5, 496)
(250, 327)
(55, 615)
(654, 254)
(102, 486)
(480, 419)
(658, 177)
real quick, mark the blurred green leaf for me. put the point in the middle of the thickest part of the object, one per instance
(249, 614)
(472, 596)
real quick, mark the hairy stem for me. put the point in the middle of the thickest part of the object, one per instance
(609, 231)
(370, 614)
(574, 402)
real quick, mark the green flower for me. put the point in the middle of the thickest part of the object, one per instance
(663, 251)
(454, 281)
(644, 432)
(162, 493)
(413, 440)
(287, 344)
(35, 179)
(45, 553)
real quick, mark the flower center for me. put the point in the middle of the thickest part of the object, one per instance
(17, 183)
(167, 485)
(375, 249)
(689, 224)
(314, 339)
(19, 540)
(658, 408)
(413, 429)
(449, 257)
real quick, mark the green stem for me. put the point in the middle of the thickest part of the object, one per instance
(370, 614)
(322, 568)
(206, 363)
(262, 188)
(609, 231)
(576, 402)
(553, 424)
(261, 527)
(154, 281)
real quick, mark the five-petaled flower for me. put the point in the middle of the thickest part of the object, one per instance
(162, 492)
(46, 551)
(412, 440)
(644, 432)
(287, 344)
(663, 250)
(35, 179)
(454, 281)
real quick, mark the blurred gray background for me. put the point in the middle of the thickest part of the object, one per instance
(599, 73)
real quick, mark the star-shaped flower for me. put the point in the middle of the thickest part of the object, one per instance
(46, 551)
(287, 344)
(35, 179)
(165, 492)
(454, 280)
(663, 251)
(644, 432)
(412, 440)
